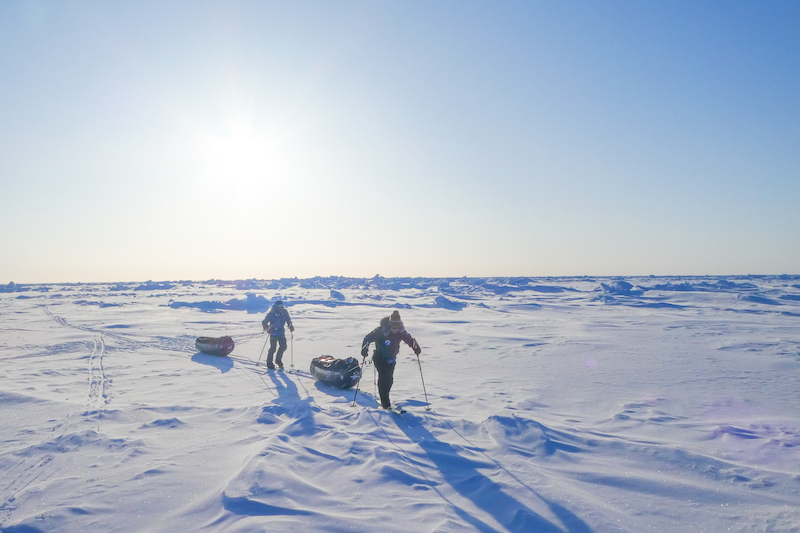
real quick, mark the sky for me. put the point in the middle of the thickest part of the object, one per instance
(172, 140)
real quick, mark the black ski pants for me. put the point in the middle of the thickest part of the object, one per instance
(278, 341)
(385, 378)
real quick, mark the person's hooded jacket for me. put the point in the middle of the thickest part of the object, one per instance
(387, 342)
(276, 320)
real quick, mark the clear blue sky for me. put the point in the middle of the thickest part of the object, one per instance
(195, 139)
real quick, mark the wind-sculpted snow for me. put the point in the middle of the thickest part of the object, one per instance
(760, 299)
(252, 303)
(701, 286)
(622, 288)
(570, 405)
(154, 286)
(444, 303)
(336, 295)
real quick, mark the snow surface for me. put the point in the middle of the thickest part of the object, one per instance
(557, 405)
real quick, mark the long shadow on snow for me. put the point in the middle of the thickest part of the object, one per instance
(300, 414)
(248, 507)
(289, 403)
(222, 363)
(356, 394)
(361, 397)
(463, 475)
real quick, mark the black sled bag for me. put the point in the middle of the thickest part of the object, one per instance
(219, 346)
(341, 373)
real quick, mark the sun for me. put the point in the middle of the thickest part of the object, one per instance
(236, 151)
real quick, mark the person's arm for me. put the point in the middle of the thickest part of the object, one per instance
(408, 339)
(367, 340)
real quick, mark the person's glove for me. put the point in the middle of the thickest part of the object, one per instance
(269, 330)
(291, 328)
(417, 349)
(364, 351)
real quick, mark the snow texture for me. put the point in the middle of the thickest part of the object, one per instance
(573, 405)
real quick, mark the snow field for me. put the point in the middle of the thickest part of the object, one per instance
(558, 405)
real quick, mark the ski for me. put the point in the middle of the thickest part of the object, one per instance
(395, 410)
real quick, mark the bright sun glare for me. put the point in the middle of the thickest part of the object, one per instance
(238, 153)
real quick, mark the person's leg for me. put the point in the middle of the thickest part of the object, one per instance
(385, 380)
(281, 349)
(273, 341)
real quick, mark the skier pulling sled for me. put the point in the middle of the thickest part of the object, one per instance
(341, 373)
(219, 346)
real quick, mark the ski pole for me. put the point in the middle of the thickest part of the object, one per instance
(359, 381)
(291, 352)
(428, 405)
(262, 351)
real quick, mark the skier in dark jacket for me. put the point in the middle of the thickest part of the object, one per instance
(387, 339)
(273, 323)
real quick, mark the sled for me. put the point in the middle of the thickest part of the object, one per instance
(341, 373)
(219, 346)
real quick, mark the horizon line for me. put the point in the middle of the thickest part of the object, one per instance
(378, 276)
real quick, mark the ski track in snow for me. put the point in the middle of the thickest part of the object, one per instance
(567, 405)
(99, 394)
